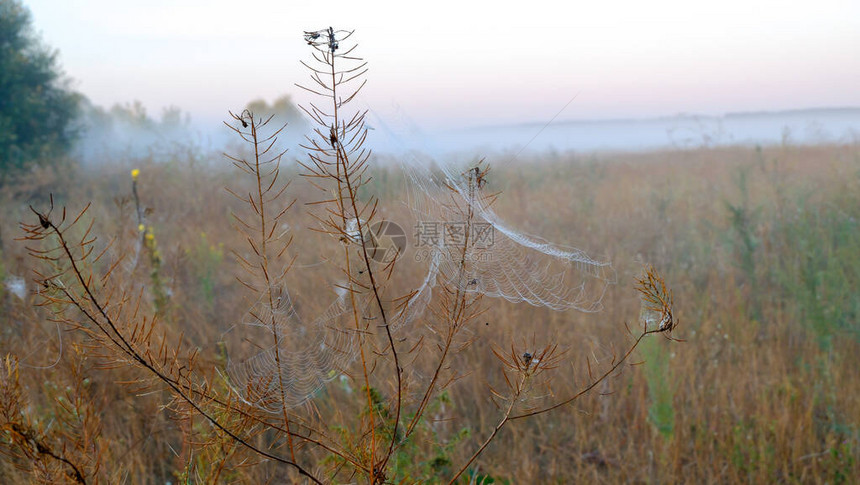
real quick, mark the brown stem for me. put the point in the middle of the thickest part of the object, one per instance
(130, 351)
(496, 430)
(342, 161)
(261, 210)
(507, 416)
(344, 179)
(28, 437)
(593, 384)
(378, 298)
(456, 312)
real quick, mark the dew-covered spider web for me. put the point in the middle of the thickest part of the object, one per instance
(493, 259)
(294, 358)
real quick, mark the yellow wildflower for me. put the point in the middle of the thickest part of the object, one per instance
(134, 173)
(141, 227)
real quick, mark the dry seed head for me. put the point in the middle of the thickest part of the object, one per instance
(656, 301)
(530, 362)
(325, 37)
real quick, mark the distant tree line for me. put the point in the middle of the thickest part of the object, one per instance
(42, 120)
(37, 108)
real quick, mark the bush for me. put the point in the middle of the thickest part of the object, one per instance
(37, 110)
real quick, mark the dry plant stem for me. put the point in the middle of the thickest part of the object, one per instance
(466, 232)
(341, 454)
(342, 163)
(138, 209)
(456, 313)
(506, 417)
(117, 337)
(594, 383)
(342, 171)
(232, 409)
(342, 156)
(31, 443)
(140, 221)
(348, 209)
(264, 250)
(431, 386)
(264, 266)
(367, 389)
(502, 422)
(222, 463)
(376, 296)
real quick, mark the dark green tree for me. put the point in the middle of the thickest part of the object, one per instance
(37, 109)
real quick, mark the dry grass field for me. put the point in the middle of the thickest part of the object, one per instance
(761, 248)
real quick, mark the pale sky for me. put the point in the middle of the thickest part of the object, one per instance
(469, 63)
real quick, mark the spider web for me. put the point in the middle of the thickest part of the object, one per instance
(515, 266)
(304, 359)
(524, 268)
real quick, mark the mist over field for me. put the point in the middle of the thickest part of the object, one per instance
(803, 127)
(134, 133)
(607, 243)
